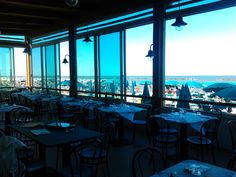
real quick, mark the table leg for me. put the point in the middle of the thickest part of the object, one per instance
(7, 122)
(183, 142)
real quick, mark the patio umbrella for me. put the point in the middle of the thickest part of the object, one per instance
(145, 93)
(145, 82)
(227, 94)
(171, 83)
(112, 88)
(184, 95)
(218, 86)
(194, 84)
(133, 88)
(65, 83)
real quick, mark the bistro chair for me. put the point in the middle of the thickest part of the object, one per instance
(231, 165)
(232, 131)
(95, 154)
(162, 137)
(31, 166)
(89, 115)
(204, 139)
(19, 116)
(140, 120)
(2, 132)
(147, 161)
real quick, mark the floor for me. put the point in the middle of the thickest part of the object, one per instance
(120, 157)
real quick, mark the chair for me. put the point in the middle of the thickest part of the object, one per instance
(32, 166)
(218, 113)
(231, 165)
(147, 161)
(95, 154)
(18, 116)
(89, 114)
(2, 132)
(205, 138)
(140, 119)
(162, 136)
(232, 130)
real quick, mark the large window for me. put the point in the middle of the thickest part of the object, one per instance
(63, 73)
(36, 67)
(20, 67)
(50, 66)
(85, 66)
(6, 65)
(110, 81)
(203, 53)
(138, 67)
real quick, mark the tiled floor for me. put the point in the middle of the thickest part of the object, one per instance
(120, 157)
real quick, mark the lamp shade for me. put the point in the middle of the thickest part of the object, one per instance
(150, 52)
(65, 61)
(87, 38)
(179, 22)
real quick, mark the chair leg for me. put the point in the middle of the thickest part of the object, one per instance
(134, 131)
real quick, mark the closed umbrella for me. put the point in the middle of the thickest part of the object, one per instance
(133, 88)
(184, 94)
(145, 93)
(218, 86)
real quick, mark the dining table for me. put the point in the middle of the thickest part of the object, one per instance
(194, 168)
(53, 134)
(185, 119)
(125, 112)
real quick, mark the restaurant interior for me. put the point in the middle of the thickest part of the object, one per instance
(71, 107)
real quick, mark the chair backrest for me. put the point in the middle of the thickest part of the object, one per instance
(153, 128)
(231, 165)
(20, 115)
(208, 130)
(146, 161)
(2, 132)
(232, 131)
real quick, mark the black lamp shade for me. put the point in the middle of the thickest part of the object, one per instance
(87, 38)
(179, 22)
(65, 61)
(150, 54)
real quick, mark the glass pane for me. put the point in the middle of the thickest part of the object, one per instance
(201, 55)
(65, 68)
(110, 63)
(50, 66)
(138, 67)
(36, 67)
(85, 66)
(6, 79)
(20, 67)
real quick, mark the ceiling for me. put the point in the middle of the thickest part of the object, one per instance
(36, 17)
(33, 17)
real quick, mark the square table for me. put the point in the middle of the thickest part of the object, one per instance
(195, 168)
(125, 112)
(195, 120)
(58, 138)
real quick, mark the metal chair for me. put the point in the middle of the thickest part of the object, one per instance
(231, 165)
(95, 154)
(162, 137)
(147, 161)
(205, 138)
(232, 130)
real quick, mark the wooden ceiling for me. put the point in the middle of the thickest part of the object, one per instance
(36, 17)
